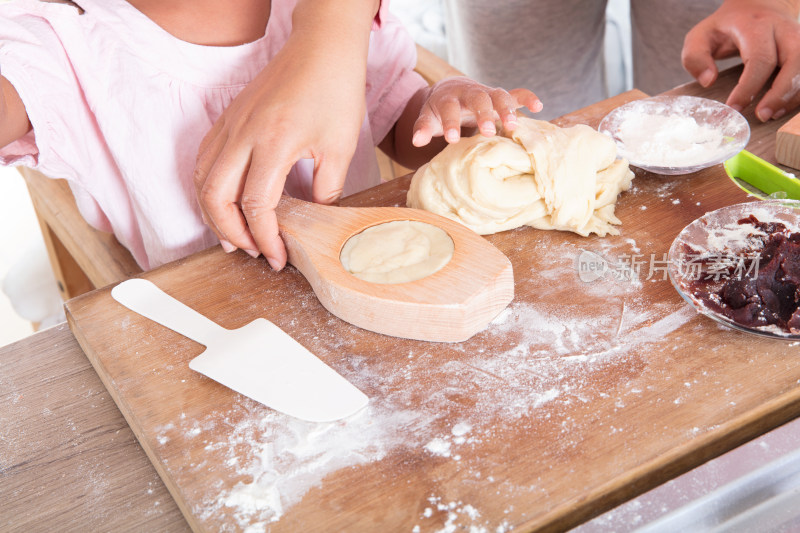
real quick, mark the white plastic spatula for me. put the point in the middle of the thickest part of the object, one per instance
(258, 360)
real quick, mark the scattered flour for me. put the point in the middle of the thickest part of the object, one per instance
(439, 447)
(543, 356)
(278, 459)
(461, 429)
(460, 517)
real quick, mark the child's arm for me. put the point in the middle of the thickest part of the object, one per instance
(14, 121)
(451, 108)
(308, 102)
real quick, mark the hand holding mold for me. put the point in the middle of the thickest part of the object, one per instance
(301, 106)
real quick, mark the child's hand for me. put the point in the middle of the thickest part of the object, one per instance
(456, 103)
(280, 118)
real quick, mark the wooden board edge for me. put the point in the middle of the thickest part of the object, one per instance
(647, 476)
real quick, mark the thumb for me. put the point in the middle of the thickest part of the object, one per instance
(329, 177)
(697, 56)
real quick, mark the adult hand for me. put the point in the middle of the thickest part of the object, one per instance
(766, 34)
(308, 102)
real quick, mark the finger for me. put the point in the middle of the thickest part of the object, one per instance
(697, 56)
(210, 148)
(426, 127)
(479, 103)
(449, 111)
(329, 176)
(260, 196)
(506, 107)
(784, 95)
(760, 60)
(220, 195)
(527, 98)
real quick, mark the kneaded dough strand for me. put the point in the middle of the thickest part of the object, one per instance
(539, 175)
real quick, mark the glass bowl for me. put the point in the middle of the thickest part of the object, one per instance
(676, 134)
(718, 235)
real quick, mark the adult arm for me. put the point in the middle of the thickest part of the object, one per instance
(766, 34)
(308, 102)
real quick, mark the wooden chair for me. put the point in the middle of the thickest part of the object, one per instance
(84, 258)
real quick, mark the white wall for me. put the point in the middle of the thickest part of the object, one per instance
(18, 231)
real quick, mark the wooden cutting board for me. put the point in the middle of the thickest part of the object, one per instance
(579, 396)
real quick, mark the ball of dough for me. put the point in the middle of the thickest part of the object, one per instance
(539, 175)
(397, 252)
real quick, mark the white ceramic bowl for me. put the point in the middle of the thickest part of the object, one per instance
(676, 134)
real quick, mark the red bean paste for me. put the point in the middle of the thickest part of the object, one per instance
(764, 289)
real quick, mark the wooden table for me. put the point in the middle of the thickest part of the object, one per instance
(577, 446)
(68, 460)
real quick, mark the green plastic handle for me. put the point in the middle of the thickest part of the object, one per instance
(765, 176)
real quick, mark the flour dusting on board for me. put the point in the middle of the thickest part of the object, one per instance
(279, 458)
(441, 404)
(266, 462)
(459, 517)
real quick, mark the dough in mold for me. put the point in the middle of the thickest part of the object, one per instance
(399, 251)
